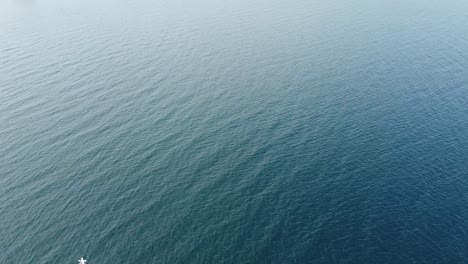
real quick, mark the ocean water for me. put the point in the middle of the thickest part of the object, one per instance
(280, 131)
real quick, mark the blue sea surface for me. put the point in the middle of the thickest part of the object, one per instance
(246, 131)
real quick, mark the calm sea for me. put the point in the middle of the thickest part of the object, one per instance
(236, 131)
